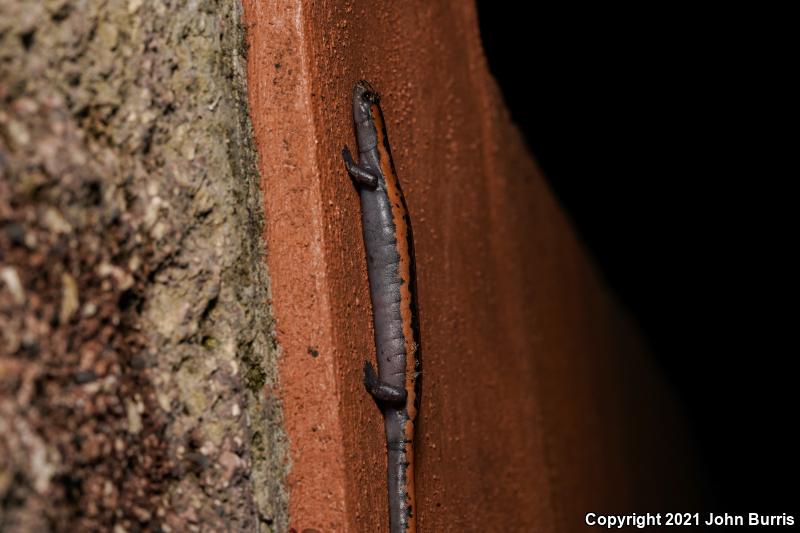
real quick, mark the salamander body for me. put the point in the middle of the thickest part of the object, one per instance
(390, 265)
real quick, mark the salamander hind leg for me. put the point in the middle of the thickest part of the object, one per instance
(382, 392)
(359, 174)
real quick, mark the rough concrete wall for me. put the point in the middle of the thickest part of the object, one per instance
(135, 333)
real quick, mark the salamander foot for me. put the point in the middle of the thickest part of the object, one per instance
(358, 173)
(382, 391)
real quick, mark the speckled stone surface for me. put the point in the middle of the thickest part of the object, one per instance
(136, 349)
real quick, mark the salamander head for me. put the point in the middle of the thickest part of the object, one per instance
(364, 97)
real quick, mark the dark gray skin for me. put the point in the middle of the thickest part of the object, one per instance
(389, 248)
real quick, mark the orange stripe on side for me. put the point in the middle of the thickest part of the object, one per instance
(399, 216)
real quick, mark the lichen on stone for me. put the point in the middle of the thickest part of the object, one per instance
(135, 333)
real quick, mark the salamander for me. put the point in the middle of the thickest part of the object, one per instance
(390, 267)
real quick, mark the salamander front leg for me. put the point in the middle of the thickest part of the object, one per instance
(383, 393)
(360, 174)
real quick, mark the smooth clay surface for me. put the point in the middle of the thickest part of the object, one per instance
(539, 401)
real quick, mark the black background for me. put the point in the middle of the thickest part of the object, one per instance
(666, 136)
